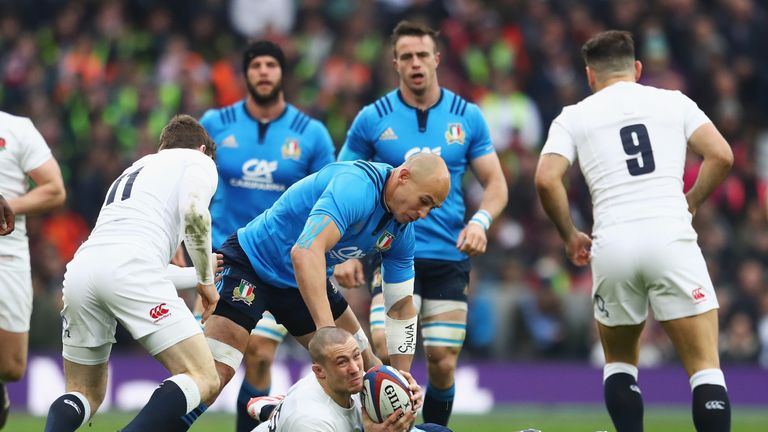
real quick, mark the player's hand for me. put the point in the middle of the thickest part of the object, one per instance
(417, 397)
(209, 297)
(472, 240)
(7, 217)
(396, 422)
(578, 247)
(349, 274)
(217, 262)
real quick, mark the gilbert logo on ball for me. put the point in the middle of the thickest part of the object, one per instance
(385, 390)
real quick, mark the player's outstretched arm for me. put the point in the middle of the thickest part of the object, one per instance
(320, 234)
(48, 193)
(7, 217)
(718, 159)
(549, 185)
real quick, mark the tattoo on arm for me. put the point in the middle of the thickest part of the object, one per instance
(315, 225)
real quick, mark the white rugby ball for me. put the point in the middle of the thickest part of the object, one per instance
(384, 391)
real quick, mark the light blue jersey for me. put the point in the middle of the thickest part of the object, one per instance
(351, 194)
(390, 131)
(258, 161)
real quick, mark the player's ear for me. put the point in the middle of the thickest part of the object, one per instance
(318, 371)
(437, 58)
(638, 70)
(202, 148)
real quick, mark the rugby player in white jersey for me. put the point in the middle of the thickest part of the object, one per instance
(23, 154)
(119, 273)
(631, 143)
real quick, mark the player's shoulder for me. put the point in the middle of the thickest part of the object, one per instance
(301, 122)
(15, 124)
(382, 107)
(215, 118)
(457, 104)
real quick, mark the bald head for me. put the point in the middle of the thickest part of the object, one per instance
(417, 186)
(429, 168)
(324, 338)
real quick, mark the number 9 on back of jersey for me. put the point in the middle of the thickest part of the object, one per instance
(384, 391)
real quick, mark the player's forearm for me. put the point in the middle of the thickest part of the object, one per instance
(495, 197)
(309, 268)
(554, 199)
(197, 238)
(713, 171)
(42, 198)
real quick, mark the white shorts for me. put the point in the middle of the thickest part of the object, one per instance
(657, 263)
(106, 284)
(15, 300)
(269, 328)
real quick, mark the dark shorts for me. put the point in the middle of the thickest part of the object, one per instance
(245, 297)
(434, 280)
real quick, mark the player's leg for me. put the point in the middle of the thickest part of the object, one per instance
(377, 319)
(686, 304)
(15, 314)
(86, 385)
(443, 288)
(262, 347)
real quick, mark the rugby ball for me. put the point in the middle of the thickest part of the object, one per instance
(384, 391)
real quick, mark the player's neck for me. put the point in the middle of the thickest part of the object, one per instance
(342, 399)
(421, 101)
(599, 85)
(265, 112)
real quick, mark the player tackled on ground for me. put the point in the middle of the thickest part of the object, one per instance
(119, 273)
(631, 144)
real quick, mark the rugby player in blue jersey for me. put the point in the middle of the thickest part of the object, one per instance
(265, 145)
(422, 117)
(282, 260)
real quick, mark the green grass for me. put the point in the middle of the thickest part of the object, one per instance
(588, 418)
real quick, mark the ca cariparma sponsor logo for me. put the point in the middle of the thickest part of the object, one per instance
(455, 134)
(346, 253)
(257, 174)
(385, 241)
(388, 135)
(416, 150)
(291, 149)
(244, 292)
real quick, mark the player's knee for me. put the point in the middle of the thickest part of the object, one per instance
(12, 369)
(259, 357)
(441, 361)
(208, 383)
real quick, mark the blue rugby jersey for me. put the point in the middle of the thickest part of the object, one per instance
(258, 161)
(351, 194)
(389, 130)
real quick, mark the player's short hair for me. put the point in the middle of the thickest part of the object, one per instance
(609, 51)
(183, 131)
(323, 338)
(409, 28)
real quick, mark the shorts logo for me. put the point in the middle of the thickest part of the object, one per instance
(159, 312)
(385, 241)
(244, 292)
(455, 134)
(291, 149)
(600, 305)
(698, 295)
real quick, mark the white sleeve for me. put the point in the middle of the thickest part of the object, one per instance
(182, 278)
(35, 151)
(693, 116)
(560, 140)
(197, 187)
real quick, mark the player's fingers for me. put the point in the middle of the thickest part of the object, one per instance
(359, 275)
(461, 239)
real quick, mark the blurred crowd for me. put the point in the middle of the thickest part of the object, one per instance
(101, 78)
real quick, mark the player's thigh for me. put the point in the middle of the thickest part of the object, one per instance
(621, 343)
(15, 301)
(90, 380)
(190, 355)
(679, 282)
(443, 291)
(695, 340)
(619, 289)
(289, 309)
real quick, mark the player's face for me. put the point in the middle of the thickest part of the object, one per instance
(414, 200)
(264, 79)
(416, 62)
(344, 366)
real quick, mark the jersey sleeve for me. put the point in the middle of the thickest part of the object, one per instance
(560, 140)
(345, 205)
(208, 121)
(35, 151)
(359, 139)
(397, 262)
(324, 151)
(480, 143)
(308, 424)
(693, 116)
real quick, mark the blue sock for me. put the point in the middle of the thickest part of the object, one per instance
(67, 413)
(438, 404)
(244, 422)
(193, 415)
(165, 411)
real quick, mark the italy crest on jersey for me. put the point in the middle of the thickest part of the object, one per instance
(291, 149)
(454, 134)
(385, 241)
(243, 292)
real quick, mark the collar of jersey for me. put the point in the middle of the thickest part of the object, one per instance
(282, 114)
(402, 100)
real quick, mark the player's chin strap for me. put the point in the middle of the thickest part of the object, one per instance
(401, 333)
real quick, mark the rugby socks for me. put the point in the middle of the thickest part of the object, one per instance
(168, 406)
(711, 406)
(622, 397)
(438, 404)
(67, 413)
(244, 421)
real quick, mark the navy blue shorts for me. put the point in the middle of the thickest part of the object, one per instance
(435, 279)
(245, 297)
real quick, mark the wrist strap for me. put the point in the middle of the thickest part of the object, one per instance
(482, 218)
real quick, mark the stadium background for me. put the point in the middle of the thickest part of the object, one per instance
(101, 78)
